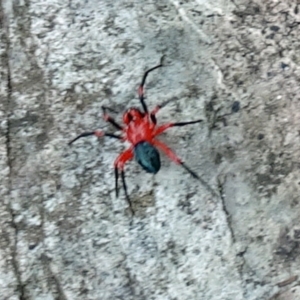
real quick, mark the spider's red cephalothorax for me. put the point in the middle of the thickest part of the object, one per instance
(140, 130)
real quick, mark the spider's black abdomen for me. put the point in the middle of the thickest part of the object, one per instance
(147, 156)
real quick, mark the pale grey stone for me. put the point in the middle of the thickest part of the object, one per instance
(233, 235)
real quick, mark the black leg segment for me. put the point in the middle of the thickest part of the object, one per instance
(190, 171)
(153, 118)
(186, 123)
(108, 108)
(110, 119)
(150, 70)
(158, 107)
(84, 134)
(125, 190)
(141, 87)
(80, 136)
(116, 182)
(200, 179)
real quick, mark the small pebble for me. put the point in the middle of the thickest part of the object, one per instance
(275, 28)
(235, 106)
(31, 247)
(284, 65)
(260, 136)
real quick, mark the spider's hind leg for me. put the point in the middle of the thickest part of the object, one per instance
(178, 161)
(119, 166)
(174, 157)
(125, 191)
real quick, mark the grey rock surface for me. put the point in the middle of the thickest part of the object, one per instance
(234, 234)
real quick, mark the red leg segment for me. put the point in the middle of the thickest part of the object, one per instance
(153, 113)
(160, 106)
(157, 109)
(173, 156)
(123, 158)
(159, 130)
(167, 151)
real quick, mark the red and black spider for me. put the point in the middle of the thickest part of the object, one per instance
(140, 130)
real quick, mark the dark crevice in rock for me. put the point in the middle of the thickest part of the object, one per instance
(224, 207)
(53, 281)
(14, 246)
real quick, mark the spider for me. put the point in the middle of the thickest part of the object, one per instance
(140, 130)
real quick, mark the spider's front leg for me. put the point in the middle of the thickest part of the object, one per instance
(157, 109)
(141, 87)
(164, 127)
(159, 130)
(119, 166)
(97, 133)
(109, 119)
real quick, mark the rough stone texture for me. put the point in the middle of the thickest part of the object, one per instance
(9, 265)
(233, 235)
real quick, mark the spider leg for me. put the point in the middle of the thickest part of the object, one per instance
(116, 182)
(164, 127)
(98, 133)
(109, 108)
(141, 87)
(125, 190)
(119, 166)
(178, 161)
(157, 108)
(109, 119)
(174, 157)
